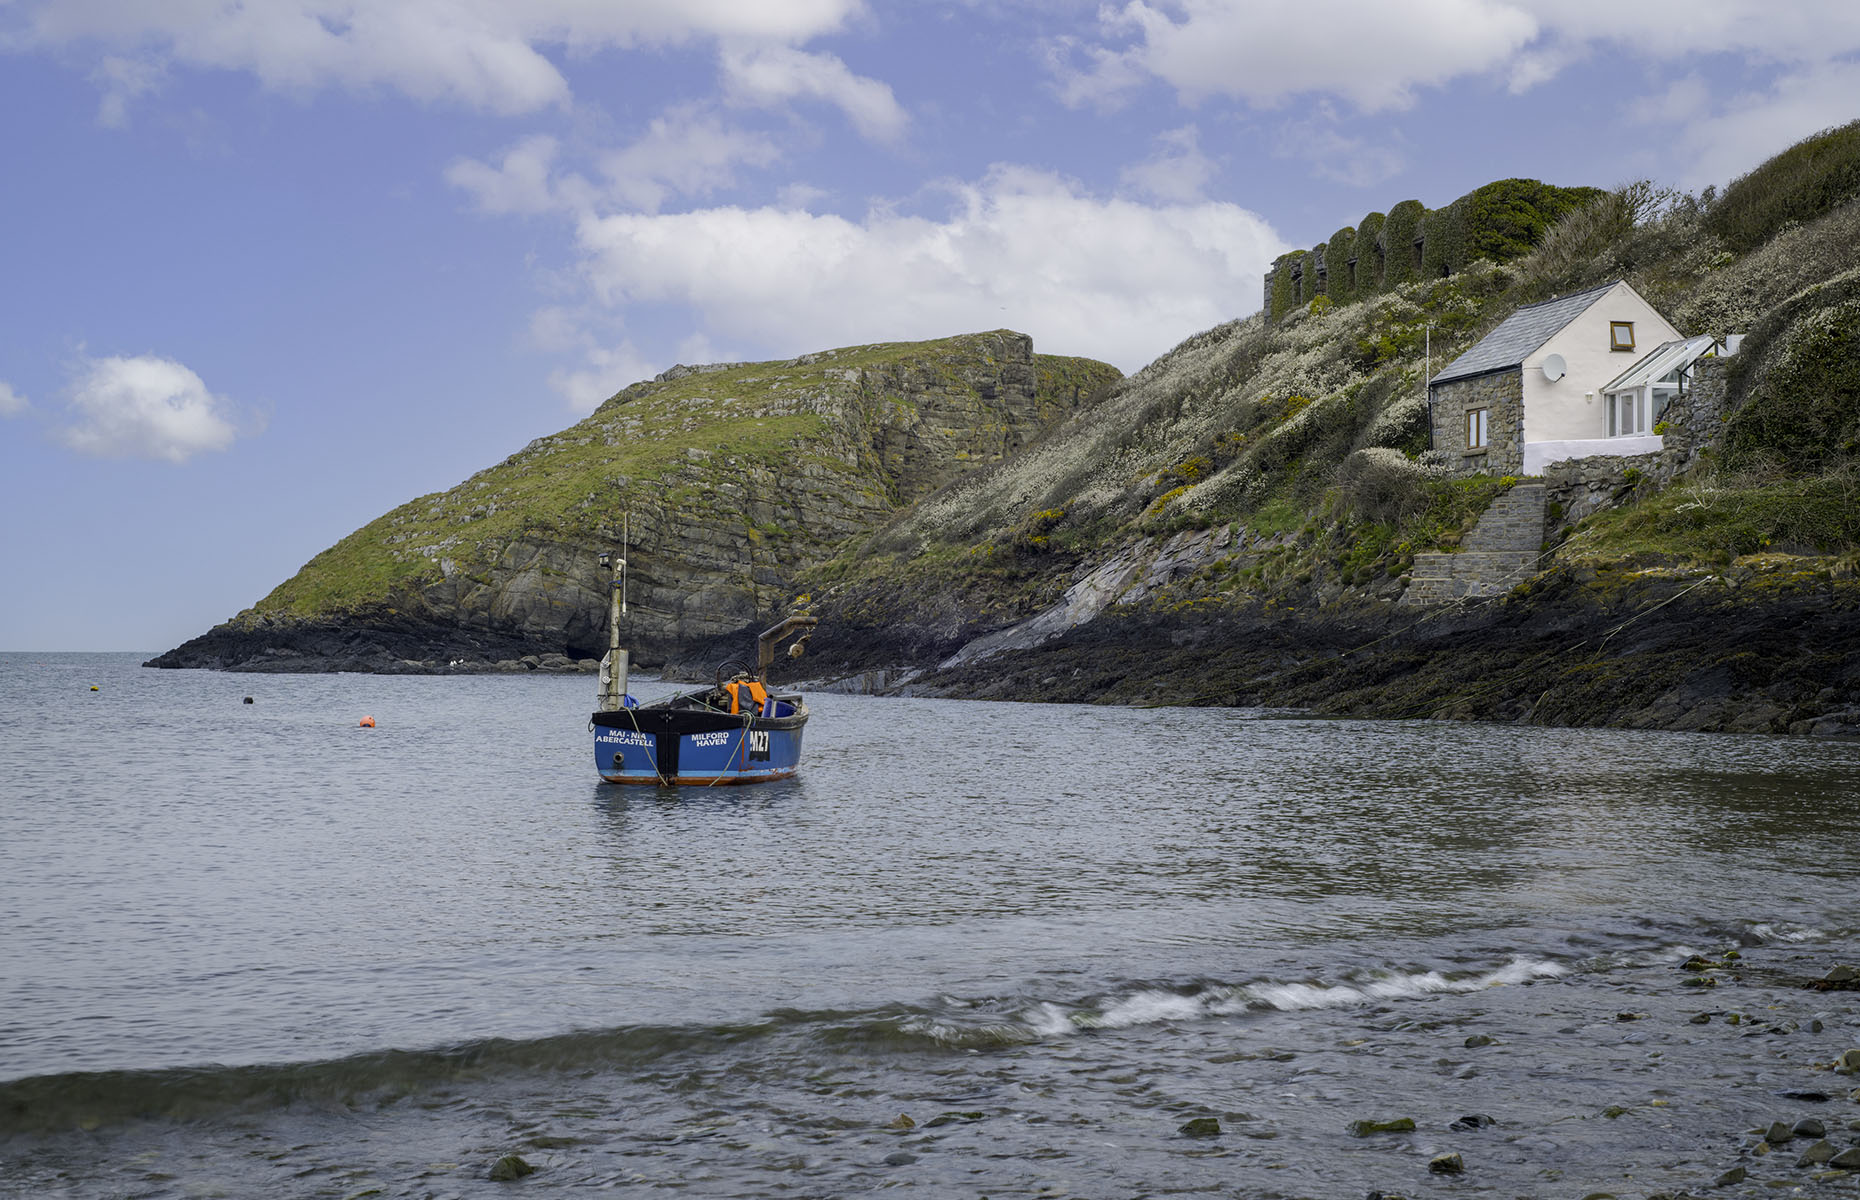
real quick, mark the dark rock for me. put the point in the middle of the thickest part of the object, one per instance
(1816, 1154)
(1847, 1160)
(950, 1118)
(900, 1158)
(1473, 1121)
(1809, 1127)
(902, 1121)
(1734, 1175)
(1480, 1039)
(1701, 1018)
(1447, 1164)
(1613, 1111)
(1778, 1132)
(1202, 1127)
(509, 1167)
(1366, 1128)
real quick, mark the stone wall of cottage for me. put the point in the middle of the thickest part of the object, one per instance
(1502, 395)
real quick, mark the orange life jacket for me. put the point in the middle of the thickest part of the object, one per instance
(746, 690)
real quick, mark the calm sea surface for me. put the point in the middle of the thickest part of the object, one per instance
(973, 949)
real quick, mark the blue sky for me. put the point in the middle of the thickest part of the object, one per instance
(268, 269)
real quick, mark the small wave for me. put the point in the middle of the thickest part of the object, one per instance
(1151, 1006)
(89, 1099)
(1787, 933)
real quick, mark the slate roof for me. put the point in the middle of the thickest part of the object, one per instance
(1518, 335)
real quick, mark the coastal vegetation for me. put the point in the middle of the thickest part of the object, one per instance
(1268, 479)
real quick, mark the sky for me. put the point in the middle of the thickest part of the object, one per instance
(270, 268)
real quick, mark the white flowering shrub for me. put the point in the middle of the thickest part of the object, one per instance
(1382, 484)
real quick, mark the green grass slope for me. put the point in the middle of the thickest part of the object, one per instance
(865, 428)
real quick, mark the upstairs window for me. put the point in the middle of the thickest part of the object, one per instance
(1478, 428)
(1620, 335)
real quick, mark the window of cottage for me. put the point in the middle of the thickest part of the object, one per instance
(1478, 428)
(1620, 335)
(1627, 415)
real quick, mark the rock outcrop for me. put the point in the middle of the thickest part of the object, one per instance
(730, 477)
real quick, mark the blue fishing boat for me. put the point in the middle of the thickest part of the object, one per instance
(736, 731)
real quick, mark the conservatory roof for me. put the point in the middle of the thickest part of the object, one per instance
(1662, 361)
(1518, 335)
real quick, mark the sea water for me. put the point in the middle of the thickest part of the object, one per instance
(972, 949)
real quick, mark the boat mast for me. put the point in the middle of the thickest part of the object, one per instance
(614, 666)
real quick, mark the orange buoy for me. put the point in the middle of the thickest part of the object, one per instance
(368, 723)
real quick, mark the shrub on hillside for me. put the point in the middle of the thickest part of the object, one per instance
(1603, 240)
(1801, 405)
(1804, 181)
(1367, 254)
(1398, 234)
(1338, 252)
(1505, 219)
(1380, 484)
(1445, 248)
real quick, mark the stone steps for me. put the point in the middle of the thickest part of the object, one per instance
(1499, 553)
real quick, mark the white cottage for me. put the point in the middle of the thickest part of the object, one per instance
(1567, 378)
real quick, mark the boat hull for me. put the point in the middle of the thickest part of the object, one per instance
(665, 746)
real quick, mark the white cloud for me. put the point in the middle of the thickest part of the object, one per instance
(1683, 100)
(1178, 173)
(1677, 30)
(684, 152)
(770, 75)
(145, 407)
(479, 53)
(11, 402)
(1113, 279)
(1374, 55)
(123, 80)
(604, 371)
(519, 184)
(1748, 128)
(1334, 155)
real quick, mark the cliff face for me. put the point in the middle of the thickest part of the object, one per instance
(735, 476)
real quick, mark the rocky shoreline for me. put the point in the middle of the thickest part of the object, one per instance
(1757, 651)
(1767, 652)
(375, 642)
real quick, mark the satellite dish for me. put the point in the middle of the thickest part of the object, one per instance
(1554, 367)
